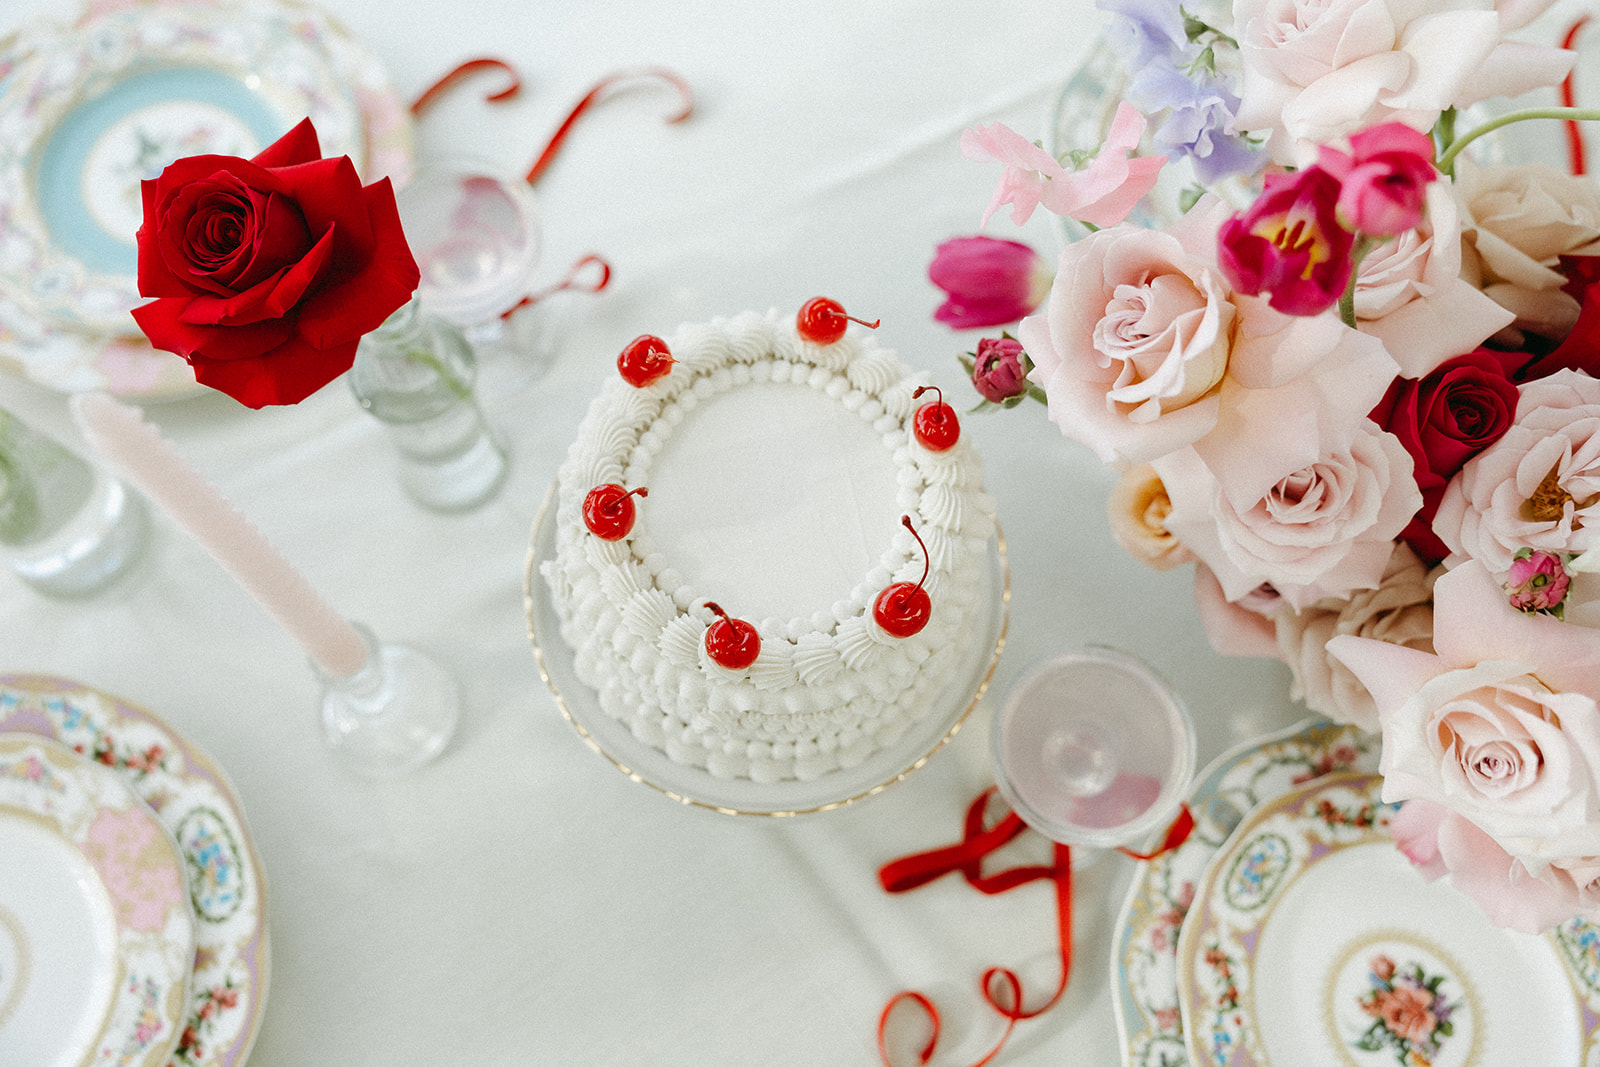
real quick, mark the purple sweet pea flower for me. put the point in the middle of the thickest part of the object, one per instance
(1144, 30)
(987, 281)
(1199, 123)
(1000, 369)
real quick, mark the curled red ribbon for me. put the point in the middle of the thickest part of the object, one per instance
(1000, 986)
(593, 96)
(1575, 149)
(471, 66)
(569, 282)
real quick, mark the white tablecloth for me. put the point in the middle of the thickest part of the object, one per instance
(519, 901)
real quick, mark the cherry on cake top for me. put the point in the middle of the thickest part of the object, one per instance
(935, 424)
(823, 321)
(731, 642)
(903, 608)
(608, 510)
(644, 360)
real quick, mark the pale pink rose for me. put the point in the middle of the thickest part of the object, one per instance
(1101, 194)
(1318, 70)
(1439, 842)
(1501, 725)
(1399, 611)
(1138, 507)
(1407, 1011)
(1538, 486)
(1242, 627)
(1411, 296)
(1325, 529)
(1143, 349)
(1516, 223)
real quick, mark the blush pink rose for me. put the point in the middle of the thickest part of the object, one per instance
(1538, 486)
(1143, 349)
(1323, 530)
(1500, 725)
(1411, 296)
(1315, 71)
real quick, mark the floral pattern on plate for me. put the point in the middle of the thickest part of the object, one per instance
(1144, 975)
(195, 802)
(1348, 957)
(98, 933)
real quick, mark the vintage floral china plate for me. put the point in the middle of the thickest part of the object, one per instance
(1313, 942)
(985, 638)
(194, 801)
(93, 107)
(1144, 976)
(96, 936)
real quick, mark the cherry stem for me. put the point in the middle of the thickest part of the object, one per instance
(716, 609)
(616, 505)
(926, 388)
(873, 325)
(905, 520)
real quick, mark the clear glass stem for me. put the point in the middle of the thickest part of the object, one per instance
(393, 715)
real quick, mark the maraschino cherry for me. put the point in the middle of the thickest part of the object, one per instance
(644, 360)
(903, 608)
(731, 642)
(823, 321)
(935, 423)
(608, 510)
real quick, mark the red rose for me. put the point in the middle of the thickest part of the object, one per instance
(1444, 419)
(268, 271)
(1581, 349)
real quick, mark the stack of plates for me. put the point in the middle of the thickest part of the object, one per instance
(92, 107)
(132, 908)
(1289, 931)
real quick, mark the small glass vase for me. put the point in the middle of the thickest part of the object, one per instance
(415, 374)
(66, 528)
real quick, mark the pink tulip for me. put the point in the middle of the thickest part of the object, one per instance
(987, 282)
(1383, 180)
(1289, 244)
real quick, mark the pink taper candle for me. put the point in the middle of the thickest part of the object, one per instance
(120, 434)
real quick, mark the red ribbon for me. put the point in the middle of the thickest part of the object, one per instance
(1575, 150)
(569, 282)
(593, 96)
(471, 66)
(1000, 986)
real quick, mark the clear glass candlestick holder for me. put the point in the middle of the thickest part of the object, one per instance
(1092, 748)
(394, 714)
(66, 528)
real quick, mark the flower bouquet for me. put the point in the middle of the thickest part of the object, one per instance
(1359, 393)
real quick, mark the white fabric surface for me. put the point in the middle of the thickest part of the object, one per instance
(519, 901)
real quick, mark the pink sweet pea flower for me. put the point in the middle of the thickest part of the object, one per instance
(987, 281)
(1383, 179)
(1289, 244)
(1100, 194)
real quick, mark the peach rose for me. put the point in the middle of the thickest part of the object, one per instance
(1138, 508)
(1538, 486)
(1516, 223)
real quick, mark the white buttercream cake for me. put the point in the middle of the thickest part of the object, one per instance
(778, 472)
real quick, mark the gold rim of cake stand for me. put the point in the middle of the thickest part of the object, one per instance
(528, 577)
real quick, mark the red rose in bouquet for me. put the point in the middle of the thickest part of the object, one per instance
(268, 271)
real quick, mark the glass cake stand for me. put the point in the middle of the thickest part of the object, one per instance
(983, 637)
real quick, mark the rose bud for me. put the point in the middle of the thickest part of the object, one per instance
(987, 281)
(1537, 581)
(1000, 369)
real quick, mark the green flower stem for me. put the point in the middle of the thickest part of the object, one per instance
(1347, 301)
(426, 358)
(1580, 114)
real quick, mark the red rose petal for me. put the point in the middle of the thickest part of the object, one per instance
(299, 145)
(273, 298)
(286, 375)
(162, 322)
(359, 303)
